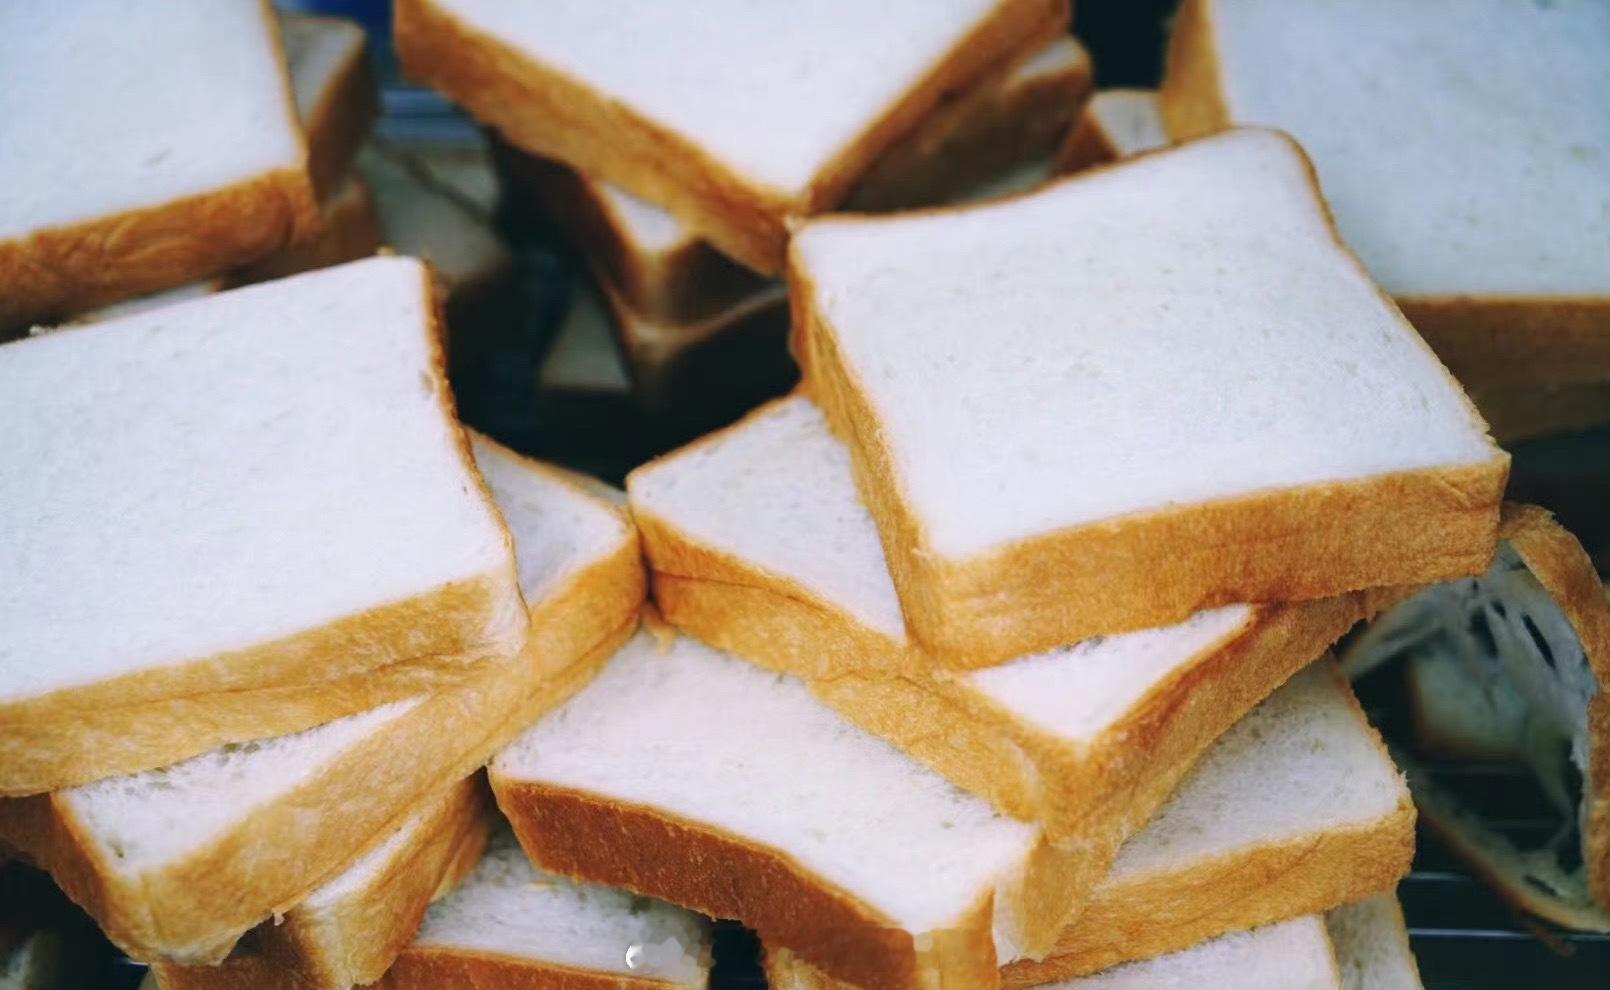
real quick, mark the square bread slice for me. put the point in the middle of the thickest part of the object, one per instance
(511, 925)
(1131, 395)
(1501, 267)
(730, 790)
(349, 230)
(1297, 811)
(1290, 955)
(250, 513)
(177, 863)
(191, 161)
(335, 92)
(348, 932)
(735, 116)
(758, 544)
(1115, 123)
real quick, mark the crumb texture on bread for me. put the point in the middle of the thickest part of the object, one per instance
(122, 180)
(1372, 945)
(1109, 299)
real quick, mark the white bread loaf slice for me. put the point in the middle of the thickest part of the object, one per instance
(194, 162)
(1298, 810)
(666, 273)
(511, 925)
(335, 92)
(1531, 638)
(730, 790)
(1372, 945)
(348, 931)
(177, 863)
(684, 108)
(229, 468)
(583, 356)
(1289, 955)
(758, 544)
(1115, 123)
(1501, 267)
(1145, 305)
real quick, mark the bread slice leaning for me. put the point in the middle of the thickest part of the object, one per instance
(282, 460)
(1529, 642)
(1499, 267)
(97, 210)
(1372, 945)
(730, 790)
(335, 92)
(757, 543)
(348, 931)
(511, 925)
(1141, 418)
(177, 863)
(1289, 955)
(1115, 124)
(611, 97)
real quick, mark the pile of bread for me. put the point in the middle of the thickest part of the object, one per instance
(997, 653)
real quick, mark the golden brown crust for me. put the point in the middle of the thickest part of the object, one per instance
(658, 854)
(1191, 97)
(1484, 340)
(354, 941)
(1497, 341)
(193, 910)
(349, 229)
(550, 113)
(437, 967)
(1154, 568)
(1562, 567)
(998, 122)
(158, 716)
(51, 273)
(338, 125)
(1521, 412)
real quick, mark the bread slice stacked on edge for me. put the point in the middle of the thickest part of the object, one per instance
(172, 181)
(1150, 304)
(758, 544)
(1499, 267)
(1511, 669)
(1115, 123)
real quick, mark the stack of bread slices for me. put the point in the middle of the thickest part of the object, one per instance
(997, 653)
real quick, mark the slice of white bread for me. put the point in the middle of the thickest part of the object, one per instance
(730, 790)
(666, 273)
(189, 165)
(221, 458)
(684, 111)
(758, 544)
(1502, 267)
(583, 355)
(511, 925)
(1372, 945)
(1532, 636)
(1296, 810)
(335, 92)
(1141, 420)
(177, 863)
(1289, 955)
(1115, 123)
(348, 931)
